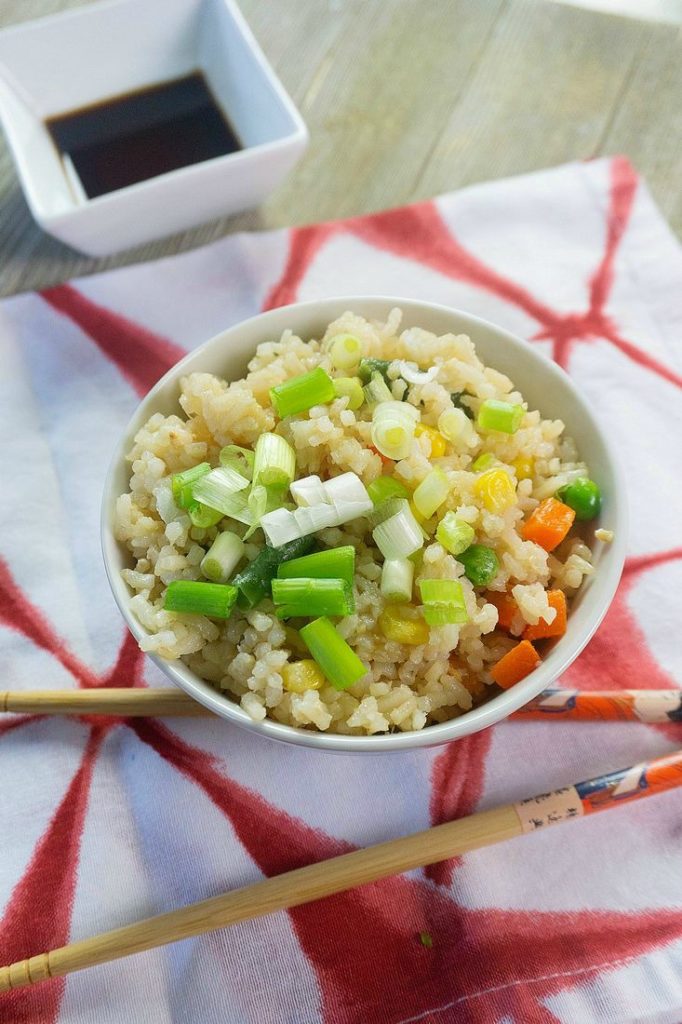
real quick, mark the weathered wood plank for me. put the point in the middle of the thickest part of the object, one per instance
(406, 99)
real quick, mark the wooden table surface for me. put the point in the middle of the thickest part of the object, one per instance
(406, 99)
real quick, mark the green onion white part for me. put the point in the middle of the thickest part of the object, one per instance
(345, 499)
(218, 488)
(345, 351)
(397, 576)
(400, 535)
(275, 462)
(393, 426)
(223, 557)
(431, 493)
(377, 391)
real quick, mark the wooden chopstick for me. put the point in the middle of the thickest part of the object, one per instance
(360, 867)
(554, 705)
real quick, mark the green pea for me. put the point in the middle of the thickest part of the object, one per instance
(480, 564)
(583, 496)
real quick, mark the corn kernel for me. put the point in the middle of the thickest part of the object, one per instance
(437, 440)
(496, 490)
(299, 676)
(404, 625)
(523, 467)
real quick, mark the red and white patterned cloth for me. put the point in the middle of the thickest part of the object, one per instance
(102, 825)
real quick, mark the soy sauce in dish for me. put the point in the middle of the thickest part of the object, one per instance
(130, 138)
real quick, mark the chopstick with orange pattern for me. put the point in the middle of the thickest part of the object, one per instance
(359, 867)
(553, 705)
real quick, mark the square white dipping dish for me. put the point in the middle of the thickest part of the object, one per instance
(82, 57)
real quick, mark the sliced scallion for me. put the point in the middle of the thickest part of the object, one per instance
(216, 600)
(397, 575)
(202, 516)
(338, 661)
(400, 535)
(181, 484)
(240, 459)
(307, 491)
(333, 563)
(385, 487)
(393, 425)
(454, 534)
(301, 393)
(218, 489)
(431, 493)
(253, 582)
(501, 416)
(377, 391)
(443, 602)
(345, 351)
(275, 462)
(484, 461)
(369, 366)
(222, 557)
(307, 596)
(350, 388)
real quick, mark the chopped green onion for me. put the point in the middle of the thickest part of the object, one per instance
(431, 493)
(393, 426)
(222, 557)
(345, 351)
(501, 416)
(202, 516)
(350, 388)
(275, 462)
(385, 487)
(237, 458)
(216, 600)
(333, 563)
(583, 496)
(454, 534)
(306, 596)
(338, 661)
(218, 488)
(456, 399)
(345, 498)
(368, 367)
(182, 484)
(453, 424)
(253, 582)
(480, 563)
(443, 602)
(483, 462)
(307, 491)
(380, 513)
(233, 505)
(301, 393)
(377, 391)
(426, 940)
(397, 575)
(400, 535)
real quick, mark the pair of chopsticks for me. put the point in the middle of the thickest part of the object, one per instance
(304, 885)
(652, 706)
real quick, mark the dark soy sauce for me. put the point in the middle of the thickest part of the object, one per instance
(130, 138)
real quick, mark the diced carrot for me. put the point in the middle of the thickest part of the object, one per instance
(506, 606)
(549, 523)
(543, 630)
(515, 665)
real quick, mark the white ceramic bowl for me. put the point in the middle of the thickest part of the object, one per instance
(80, 57)
(544, 386)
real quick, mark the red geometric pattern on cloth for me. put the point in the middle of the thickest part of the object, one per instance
(490, 957)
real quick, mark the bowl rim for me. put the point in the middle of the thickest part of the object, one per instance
(492, 711)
